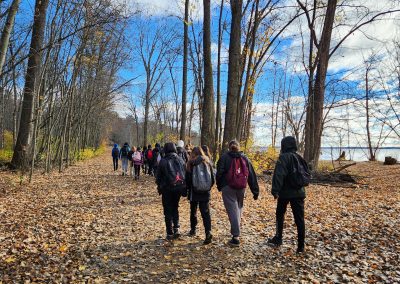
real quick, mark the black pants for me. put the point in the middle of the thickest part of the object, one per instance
(297, 205)
(205, 214)
(170, 201)
(150, 170)
(137, 170)
(115, 163)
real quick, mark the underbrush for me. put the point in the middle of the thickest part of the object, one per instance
(7, 152)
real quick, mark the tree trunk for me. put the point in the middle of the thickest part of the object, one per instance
(21, 149)
(185, 68)
(370, 149)
(314, 118)
(207, 126)
(233, 74)
(218, 121)
(5, 36)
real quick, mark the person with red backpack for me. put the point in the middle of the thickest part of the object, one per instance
(234, 173)
(171, 185)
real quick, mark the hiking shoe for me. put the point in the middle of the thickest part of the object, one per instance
(300, 250)
(234, 242)
(192, 232)
(177, 234)
(275, 241)
(208, 239)
(169, 237)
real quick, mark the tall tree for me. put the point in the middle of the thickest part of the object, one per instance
(208, 114)
(5, 35)
(313, 131)
(185, 68)
(22, 146)
(218, 121)
(233, 73)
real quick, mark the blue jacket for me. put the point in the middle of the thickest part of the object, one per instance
(115, 151)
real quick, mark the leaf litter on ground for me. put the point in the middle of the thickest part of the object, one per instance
(90, 224)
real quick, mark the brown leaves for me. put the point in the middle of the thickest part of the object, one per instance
(90, 224)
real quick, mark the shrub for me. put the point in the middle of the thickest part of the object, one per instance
(7, 152)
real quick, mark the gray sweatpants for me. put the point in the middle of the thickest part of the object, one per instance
(233, 201)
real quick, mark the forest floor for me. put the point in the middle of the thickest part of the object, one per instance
(92, 225)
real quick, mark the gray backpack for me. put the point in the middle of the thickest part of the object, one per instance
(201, 178)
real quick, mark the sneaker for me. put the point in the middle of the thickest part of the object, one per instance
(192, 232)
(234, 242)
(208, 239)
(177, 234)
(300, 250)
(275, 241)
(169, 237)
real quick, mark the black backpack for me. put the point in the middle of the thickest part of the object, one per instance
(175, 174)
(124, 151)
(300, 175)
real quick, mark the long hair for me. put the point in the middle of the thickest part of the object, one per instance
(196, 152)
(206, 151)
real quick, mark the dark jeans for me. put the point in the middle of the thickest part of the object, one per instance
(150, 170)
(205, 214)
(170, 201)
(297, 205)
(115, 163)
(137, 170)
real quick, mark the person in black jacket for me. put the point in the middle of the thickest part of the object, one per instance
(170, 196)
(285, 194)
(199, 199)
(180, 148)
(233, 198)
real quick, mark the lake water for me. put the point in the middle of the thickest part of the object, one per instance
(359, 154)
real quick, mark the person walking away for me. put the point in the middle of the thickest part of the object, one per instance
(291, 175)
(171, 184)
(149, 158)
(145, 166)
(137, 162)
(123, 155)
(180, 147)
(156, 157)
(199, 180)
(115, 156)
(130, 154)
(234, 172)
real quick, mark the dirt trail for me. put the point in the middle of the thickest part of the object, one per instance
(92, 225)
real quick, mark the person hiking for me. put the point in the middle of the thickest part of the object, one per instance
(180, 147)
(199, 180)
(170, 179)
(156, 157)
(130, 154)
(137, 159)
(145, 166)
(234, 172)
(149, 159)
(123, 155)
(115, 156)
(291, 174)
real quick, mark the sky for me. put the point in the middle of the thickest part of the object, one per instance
(346, 64)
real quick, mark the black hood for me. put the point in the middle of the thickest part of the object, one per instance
(180, 150)
(235, 154)
(288, 144)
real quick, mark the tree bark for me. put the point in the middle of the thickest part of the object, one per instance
(185, 68)
(207, 127)
(233, 74)
(314, 118)
(22, 146)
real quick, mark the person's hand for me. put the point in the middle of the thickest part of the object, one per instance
(276, 196)
(255, 196)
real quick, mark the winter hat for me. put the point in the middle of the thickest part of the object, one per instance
(180, 144)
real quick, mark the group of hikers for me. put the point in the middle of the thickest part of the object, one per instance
(191, 172)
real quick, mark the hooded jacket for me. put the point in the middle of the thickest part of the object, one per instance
(223, 166)
(283, 168)
(115, 151)
(182, 153)
(192, 195)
